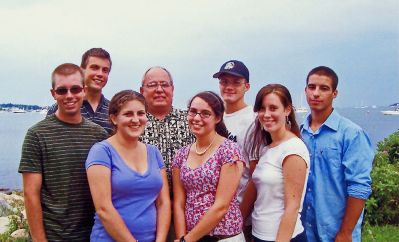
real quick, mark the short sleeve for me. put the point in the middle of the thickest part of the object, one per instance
(52, 109)
(102, 134)
(158, 156)
(179, 157)
(230, 153)
(297, 147)
(31, 158)
(99, 154)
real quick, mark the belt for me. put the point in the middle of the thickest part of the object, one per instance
(215, 238)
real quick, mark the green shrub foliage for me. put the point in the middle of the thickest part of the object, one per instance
(382, 207)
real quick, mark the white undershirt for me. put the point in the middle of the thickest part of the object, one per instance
(237, 124)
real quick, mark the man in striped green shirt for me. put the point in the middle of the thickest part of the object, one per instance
(57, 196)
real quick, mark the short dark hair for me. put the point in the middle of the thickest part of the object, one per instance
(217, 106)
(324, 71)
(121, 98)
(95, 52)
(66, 69)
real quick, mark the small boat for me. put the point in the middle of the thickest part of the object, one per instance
(391, 112)
(43, 111)
(18, 110)
(301, 110)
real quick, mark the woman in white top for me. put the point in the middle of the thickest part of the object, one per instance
(280, 176)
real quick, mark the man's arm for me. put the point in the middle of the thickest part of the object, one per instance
(32, 183)
(354, 208)
(358, 162)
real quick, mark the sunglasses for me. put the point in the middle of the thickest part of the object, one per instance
(64, 90)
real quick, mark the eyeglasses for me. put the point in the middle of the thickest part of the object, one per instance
(203, 114)
(234, 83)
(154, 85)
(64, 90)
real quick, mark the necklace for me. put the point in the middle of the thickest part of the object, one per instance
(206, 149)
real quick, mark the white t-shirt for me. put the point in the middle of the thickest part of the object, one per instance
(269, 182)
(237, 124)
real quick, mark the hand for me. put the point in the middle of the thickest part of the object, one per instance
(343, 237)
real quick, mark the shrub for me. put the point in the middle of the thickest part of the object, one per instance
(382, 206)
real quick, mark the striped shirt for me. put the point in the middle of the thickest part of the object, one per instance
(58, 151)
(100, 116)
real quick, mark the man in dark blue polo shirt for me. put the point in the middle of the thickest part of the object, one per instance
(96, 65)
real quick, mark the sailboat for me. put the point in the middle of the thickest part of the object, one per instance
(301, 108)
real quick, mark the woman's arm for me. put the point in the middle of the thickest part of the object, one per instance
(249, 198)
(294, 174)
(179, 203)
(229, 180)
(100, 187)
(163, 209)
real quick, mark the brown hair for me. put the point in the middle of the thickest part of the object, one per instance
(65, 69)
(95, 52)
(121, 98)
(217, 106)
(258, 137)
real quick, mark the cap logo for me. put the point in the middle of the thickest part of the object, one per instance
(229, 65)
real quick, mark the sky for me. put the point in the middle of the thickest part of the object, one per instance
(279, 41)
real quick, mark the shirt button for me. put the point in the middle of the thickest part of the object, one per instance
(309, 189)
(308, 207)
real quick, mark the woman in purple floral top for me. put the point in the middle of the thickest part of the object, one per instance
(206, 175)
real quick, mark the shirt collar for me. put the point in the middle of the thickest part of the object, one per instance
(332, 121)
(102, 100)
(171, 113)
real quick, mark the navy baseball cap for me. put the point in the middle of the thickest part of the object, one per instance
(235, 68)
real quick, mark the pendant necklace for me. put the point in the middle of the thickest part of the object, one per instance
(206, 149)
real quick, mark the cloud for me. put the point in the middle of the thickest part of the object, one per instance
(279, 40)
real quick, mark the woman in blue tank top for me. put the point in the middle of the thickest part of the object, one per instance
(128, 179)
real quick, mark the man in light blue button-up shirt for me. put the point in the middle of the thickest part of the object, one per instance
(341, 160)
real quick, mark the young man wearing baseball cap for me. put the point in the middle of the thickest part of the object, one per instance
(233, 84)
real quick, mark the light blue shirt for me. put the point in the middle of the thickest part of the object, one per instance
(341, 157)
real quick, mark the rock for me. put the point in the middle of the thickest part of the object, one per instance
(23, 212)
(19, 233)
(16, 197)
(4, 224)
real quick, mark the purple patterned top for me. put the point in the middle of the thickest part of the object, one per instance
(201, 183)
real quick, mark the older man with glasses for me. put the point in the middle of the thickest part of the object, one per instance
(167, 126)
(57, 196)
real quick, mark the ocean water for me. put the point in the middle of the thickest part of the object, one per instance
(13, 127)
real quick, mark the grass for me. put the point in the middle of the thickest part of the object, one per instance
(380, 233)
